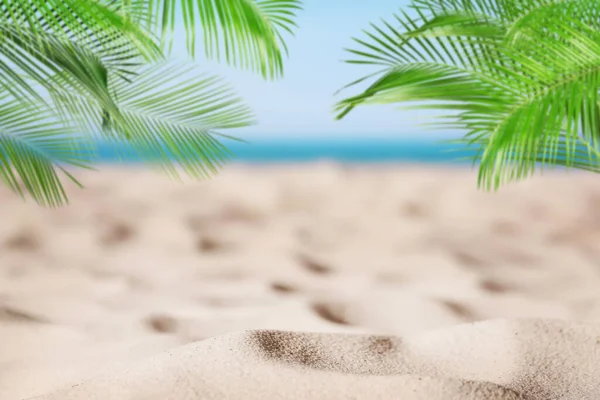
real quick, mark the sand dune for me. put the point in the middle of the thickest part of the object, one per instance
(498, 359)
(346, 283)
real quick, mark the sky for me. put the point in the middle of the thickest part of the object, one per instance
(300, 103)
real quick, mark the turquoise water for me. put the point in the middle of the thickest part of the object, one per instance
(343, 149)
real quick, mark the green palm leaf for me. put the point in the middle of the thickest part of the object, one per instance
(34, 147)
(38, 52)
(520, 77)
(95, 66)
(173, 114)
(45, 58)
(85, 21)
(244, 33)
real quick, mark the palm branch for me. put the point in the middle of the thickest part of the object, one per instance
(520, 78)
(244, 33)
(34, 147)
(98, 67)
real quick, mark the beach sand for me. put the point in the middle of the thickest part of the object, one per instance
(315, 281)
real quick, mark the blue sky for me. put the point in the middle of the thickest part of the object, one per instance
(300, 103)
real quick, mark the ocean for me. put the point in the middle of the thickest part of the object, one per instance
(350, 150)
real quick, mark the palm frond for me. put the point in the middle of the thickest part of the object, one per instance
(92, 66)
(455, 87)
(557, 112)
(522, 78)
(173, 115)
(459, 24)
(84, 21)
(244, 33)
(59, 65)
(34, 147)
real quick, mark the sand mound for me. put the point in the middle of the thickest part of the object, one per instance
(498, 359)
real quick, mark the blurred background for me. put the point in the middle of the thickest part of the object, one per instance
(361, 225)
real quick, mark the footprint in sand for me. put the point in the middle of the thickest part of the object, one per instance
(210, 245)
(414, 210)
(334, 313)
(117, 233)
(23, 241)
(468, 259)
(11, 314)
(493, 286)
(460, 310)
(314, 266)
(284, 288)
(162, 323)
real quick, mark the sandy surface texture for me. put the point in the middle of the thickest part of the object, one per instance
(303, 282)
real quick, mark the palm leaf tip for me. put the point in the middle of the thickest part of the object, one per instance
(175, 115)
(244, 33)
(34, 148)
